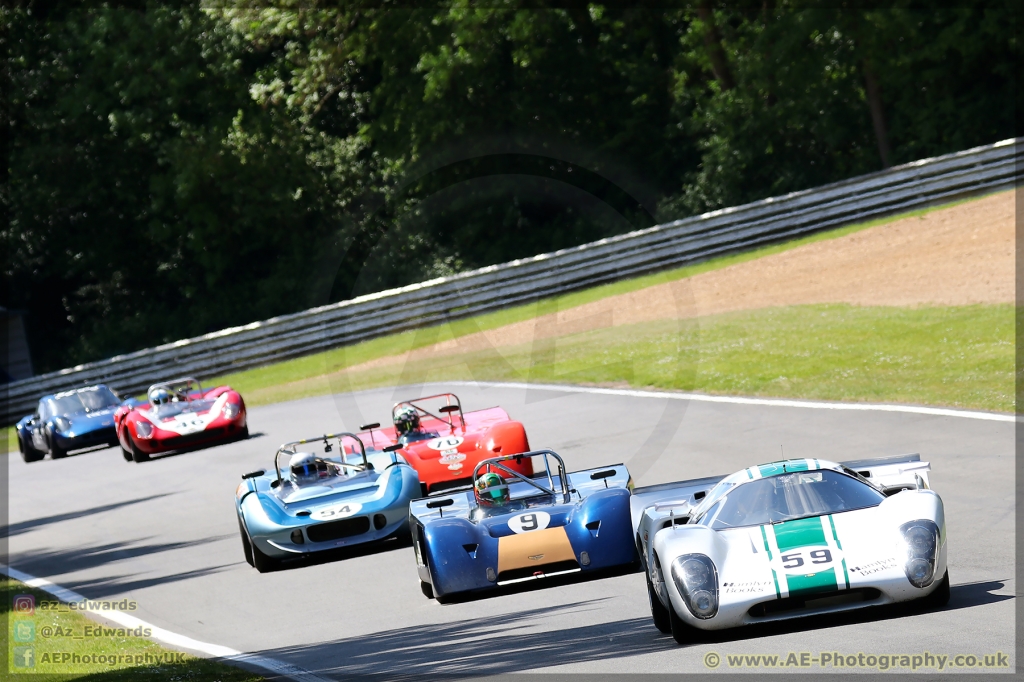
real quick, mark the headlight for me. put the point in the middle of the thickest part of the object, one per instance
(144, 430)
(231, 410)
(62, 424)
(697, 580)
(921, 540)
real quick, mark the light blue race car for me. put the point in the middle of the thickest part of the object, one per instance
(318, 503)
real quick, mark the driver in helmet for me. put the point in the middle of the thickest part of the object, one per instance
(491, 490)
(307, 468)
(159, 396)
(407, 426)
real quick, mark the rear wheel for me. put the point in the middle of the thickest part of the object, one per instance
(246, 546)
(658, 610)
(29, 453)
(427, 590)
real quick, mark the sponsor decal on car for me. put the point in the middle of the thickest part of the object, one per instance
(449, 457)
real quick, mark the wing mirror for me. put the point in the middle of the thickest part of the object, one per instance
(450, 408)
(437, 504)
(393, 448)
(598, 475)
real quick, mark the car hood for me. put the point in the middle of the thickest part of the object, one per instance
(84, 422)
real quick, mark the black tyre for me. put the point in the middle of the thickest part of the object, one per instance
(127, 455)
(681, 631)
(262, 562)
(55, 450)
(658, 611)
(940, 597)
(246, 545)
(138, 456)
(427, 590)
(29, 453)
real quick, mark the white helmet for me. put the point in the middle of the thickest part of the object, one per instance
(306, 468)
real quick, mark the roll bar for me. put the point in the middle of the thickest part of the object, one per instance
(446, 409)
(496, 463)
(289, 448)
(175, 384)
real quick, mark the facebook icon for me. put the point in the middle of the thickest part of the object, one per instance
(24, 657)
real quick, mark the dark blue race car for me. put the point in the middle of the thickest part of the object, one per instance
(71, 420)
(510, 528)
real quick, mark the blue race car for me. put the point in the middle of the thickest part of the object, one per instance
(71, 420)
(510, 528)
(319, 503)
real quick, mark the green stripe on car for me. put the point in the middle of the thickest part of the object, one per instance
(799, 533)
(812, 583)
(835, 536)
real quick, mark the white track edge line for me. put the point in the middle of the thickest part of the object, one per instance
(166, 636)
(772, 402)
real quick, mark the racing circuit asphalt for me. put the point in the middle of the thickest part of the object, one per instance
(164, 534)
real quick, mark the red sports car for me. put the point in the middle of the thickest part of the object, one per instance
(444, 444)
(180, 414)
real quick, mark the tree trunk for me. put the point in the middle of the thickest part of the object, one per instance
(877, 113)
(713, 42)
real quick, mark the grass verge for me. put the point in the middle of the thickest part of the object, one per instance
(308, 376)
(949, 356)
(57, 632)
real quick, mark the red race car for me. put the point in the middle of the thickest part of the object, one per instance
(180, 414)
(444, 444)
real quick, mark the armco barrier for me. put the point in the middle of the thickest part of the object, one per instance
(902, 188)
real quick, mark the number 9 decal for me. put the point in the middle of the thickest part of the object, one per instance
(524, 523)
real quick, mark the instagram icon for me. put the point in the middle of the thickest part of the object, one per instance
(24, 604)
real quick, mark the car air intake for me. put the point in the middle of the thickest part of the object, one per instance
(335, 530)
(818, 601)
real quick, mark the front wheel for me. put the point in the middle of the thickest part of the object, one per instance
(682, 632)
(427, 590)
(29, 453)
(138, 456)
(658, 611)
(246, 546)
(56, 452)
(262, 562)
(940, 597)
(126, 454)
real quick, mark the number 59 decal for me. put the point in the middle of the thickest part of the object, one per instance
(806, 558)
(524, 523)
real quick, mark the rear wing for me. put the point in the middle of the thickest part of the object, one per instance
(893, 474)
(680, 493)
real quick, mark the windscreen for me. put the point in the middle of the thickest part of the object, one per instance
(98, 398)
(789, 496)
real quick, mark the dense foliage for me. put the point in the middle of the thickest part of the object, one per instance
(176, 168)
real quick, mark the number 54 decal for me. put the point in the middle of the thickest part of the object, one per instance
(524, 523)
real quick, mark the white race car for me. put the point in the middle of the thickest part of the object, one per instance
(793, 538)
